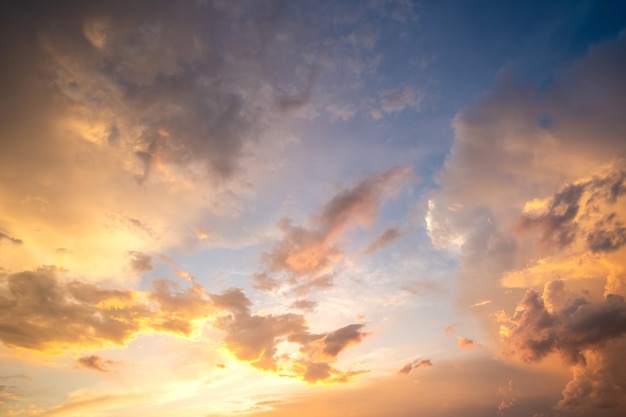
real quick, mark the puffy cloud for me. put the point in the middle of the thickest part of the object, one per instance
(578, 326)
(308, 254)
(527, 200)
(587, 334)
(256, 338)
(465, 343)
(45, 312)
(581, 228)
(599, 383)
(96, 363)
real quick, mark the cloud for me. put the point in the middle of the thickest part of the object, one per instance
(308, 254)
(598, 383)
(465, 343)
(419, 363)
(147, 119)
(11, 239)
(333, 343)
(96, 363)
(306, 305)
(584, 332)
(525, 203)
(255, 339)
(578, 326)
(400, 99)
(387, 237)
(509, 395)
(581, 229)
(44, 312)
(450, 329)
(140, 262)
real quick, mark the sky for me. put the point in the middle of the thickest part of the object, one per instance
(313, 208)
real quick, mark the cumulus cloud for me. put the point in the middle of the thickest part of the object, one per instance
(308, 254)
(419, 363)
(42, 311)
(584, 332)
(580, 325)
(256, 338)
(581, 228)
(526, 199)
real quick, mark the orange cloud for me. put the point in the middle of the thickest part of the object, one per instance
(308, 254)
(465, 343)
(47, 313)
(255, 339)
(586, 333)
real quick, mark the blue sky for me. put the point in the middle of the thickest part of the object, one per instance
(270, 208)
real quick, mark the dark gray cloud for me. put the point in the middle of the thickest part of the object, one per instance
(556, 225)
(607, 235)
(578, 326)
(586, 334)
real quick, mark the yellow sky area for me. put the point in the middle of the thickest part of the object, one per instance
(582, 266)
(191, 379)
(460, 388)
(84, 208)
(581, 229)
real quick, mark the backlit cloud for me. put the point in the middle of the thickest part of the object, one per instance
(582, 331)
(256, 339)
(43, 311)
